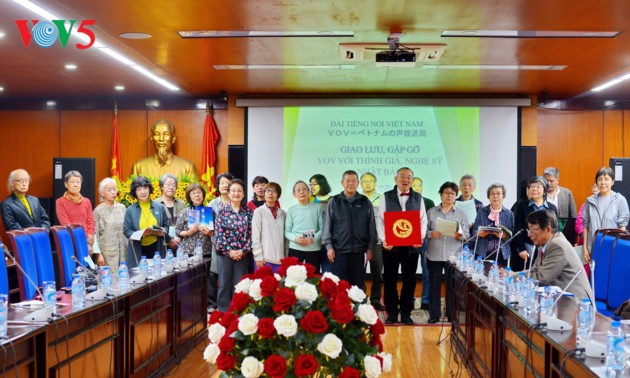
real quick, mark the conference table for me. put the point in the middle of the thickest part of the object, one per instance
(495, 339)
(139, 333)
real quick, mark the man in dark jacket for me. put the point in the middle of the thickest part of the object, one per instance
(349, 231)
(19, 210)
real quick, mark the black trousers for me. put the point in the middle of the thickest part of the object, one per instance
(435, 299)
(309, 257)
(407, 260)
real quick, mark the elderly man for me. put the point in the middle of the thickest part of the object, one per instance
(164, 161)
(559, 196)
(557, 263)
(19, 210)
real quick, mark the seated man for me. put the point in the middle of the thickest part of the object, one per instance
(19, 210)
(557, 263)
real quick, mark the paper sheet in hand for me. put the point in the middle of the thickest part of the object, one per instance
(137, 235)
(447, 228)
(468, 207)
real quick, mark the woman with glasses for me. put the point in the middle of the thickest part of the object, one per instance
(73, 208)
(191, 234)
(174, 206)
(523, 251)
(303, 227)
(440, 246)
(491, 227)
(320, 193)
(268, 230)
(233, 230)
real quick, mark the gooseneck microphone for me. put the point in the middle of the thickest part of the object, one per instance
(500, 245)
(555, 324)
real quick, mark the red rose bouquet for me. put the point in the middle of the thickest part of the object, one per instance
(297, 324)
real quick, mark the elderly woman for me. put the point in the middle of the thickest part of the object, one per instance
(495, 215)
(606, 209)
(268, 230)
(303, 227)
(193, 233)
(441, 246)
(168, 185)
(523, 251)
(233, 230)
(72, 207)
(149, 216)
(109, 217)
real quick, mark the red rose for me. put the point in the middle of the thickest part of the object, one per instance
(376, 341)
(215, 316)
(268, 286)
(275, 366)
(377, 328)
(310, 270)
(314, 322)
(239, 302)
(342, 314)
(233, 327)
(343, 287)
(247, 276)
(225, 361)
(263, 272)
(305, 365)
(226, 344)
(266, 330)
(349, 372)
(328, 288)
(286, 263)
(227, 319)
(283, 299)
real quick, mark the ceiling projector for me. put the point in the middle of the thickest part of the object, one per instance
(396, 58)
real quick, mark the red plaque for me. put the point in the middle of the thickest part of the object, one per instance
(402, 228)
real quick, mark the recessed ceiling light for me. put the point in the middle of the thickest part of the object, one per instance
(1, 89)
(51, 103)
(529, 34)
(202, 104)
(71, 66)
(2, 34)
(135, 35)
(119, 87)
(266, 33)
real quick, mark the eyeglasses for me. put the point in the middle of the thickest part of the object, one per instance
(271, 191)
(496, 194)
(302, 190)
(22, 181)
(533, 230)
(449, 193)
(74, 182)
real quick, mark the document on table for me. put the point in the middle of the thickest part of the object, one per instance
(447, 228)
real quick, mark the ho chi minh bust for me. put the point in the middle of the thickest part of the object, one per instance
(164, 161)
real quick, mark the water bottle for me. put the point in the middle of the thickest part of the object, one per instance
(50, 295)
(529, 296)
(169, 261)
(493, 276)
(107, 280)
(123, 277)
(479, 266)
(78, 291)
(462, 261)
(470, 260)
(584, 320)
(198, 251)
(143, 267)
(506, 282)
(615, 353)
(4, 310)
(157, 265)
(546, 301)
(519, 288)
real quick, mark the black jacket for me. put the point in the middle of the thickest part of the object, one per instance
(349, 225)
(16, 217)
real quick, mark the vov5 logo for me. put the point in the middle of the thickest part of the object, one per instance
(45, 33)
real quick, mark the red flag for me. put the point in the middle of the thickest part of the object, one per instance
(115, 167)
(208, 154)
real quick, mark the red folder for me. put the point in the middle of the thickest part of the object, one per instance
(402, 228)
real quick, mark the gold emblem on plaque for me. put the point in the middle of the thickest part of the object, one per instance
(402, 228)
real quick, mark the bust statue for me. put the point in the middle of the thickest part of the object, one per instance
(164, 161)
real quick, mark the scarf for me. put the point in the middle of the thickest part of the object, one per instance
(78, 198)
(494, 216)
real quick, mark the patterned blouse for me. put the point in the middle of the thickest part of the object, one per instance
(108, 221)
(233, 230)
(189, 242)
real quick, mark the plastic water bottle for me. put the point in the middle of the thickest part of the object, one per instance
(123, 277)
(169, 261)
(462, 260)
(157, 265)
(584, 320)
(615, 353)
(529, 296)
(50, 295)
(506, 282)
(493, 276)
(546, 301)
(479, 266)
(470, 260)
(107, 280)
(143, 267)
(198, 251)
(4, 310)
(78, 291)
(519, 288)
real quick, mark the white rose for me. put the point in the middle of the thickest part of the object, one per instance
(251, 367)
(211, 353)
(285, 325)
(254, 290)
(331, 346)
(216, 332)
(331, 276)
(356, 294)
(387, 361)
(367, 314)
(372, 367)
(296, 274)
(306, 292)
(248, 324)
(243, 286)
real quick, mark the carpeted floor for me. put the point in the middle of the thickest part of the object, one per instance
(419, 317)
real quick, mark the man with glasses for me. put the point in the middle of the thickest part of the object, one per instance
(557, 263)
(19, 210)
(368, 184)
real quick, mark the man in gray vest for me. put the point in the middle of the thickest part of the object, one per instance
(401, 198)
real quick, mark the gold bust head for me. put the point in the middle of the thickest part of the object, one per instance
(163, 138)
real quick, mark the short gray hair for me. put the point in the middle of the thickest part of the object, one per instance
(551, 171)
(101, 187)
(468, 177)
(72, 174)
(12, 175)
(165, 177)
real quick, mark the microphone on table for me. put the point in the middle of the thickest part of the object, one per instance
(499, 247)
(89, 270)
(45, 314)
(555, 324)
(96, 295)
